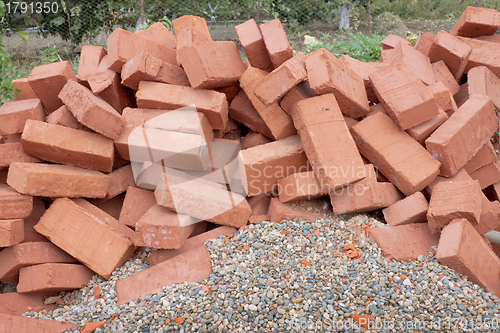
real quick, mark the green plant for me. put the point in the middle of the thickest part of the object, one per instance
(164, 20)
(364, 48)
(74, 63)
(49, 55)
(8, 70)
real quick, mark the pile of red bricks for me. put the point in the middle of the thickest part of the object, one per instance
(102, 163)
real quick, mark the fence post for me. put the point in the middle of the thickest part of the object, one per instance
(258, 12)
(142, 13)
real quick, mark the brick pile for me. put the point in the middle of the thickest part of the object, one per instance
(158, 139)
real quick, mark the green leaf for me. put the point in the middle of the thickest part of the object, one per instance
(58, 21)
(23, 35)
(2, 9)
(39, 17)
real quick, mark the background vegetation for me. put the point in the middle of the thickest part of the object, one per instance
(32, 38)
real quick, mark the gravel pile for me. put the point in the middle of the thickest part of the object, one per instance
(294, 276)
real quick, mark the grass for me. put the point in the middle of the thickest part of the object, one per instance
(358, 46)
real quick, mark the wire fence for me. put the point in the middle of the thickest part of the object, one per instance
(90, 21)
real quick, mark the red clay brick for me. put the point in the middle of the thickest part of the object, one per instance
(11, 232)
(276, 42)
(456, 141)
(462, 95)
(492, 38)
(487, 175)
(489, 219)
(13, 152)
(65, 145)
(30, 235)
(190, 266)
(224, 163)
(263, 165)
(13, 115)
(452, 200)
(364, 70)
(299, 186)
(384, 55)
(421, 132)
(160, 34)
(16, 304)
(154, 95)
(3, 176)
(90, 57)
(405, 54)
(253, 139)
(14, 205)
(124, 45)
(10, 138)
(424, 43)
(119, 180)
(483, 81)
(63, 117)
(190, 151)
(335, 165)
(475, 22)
(496, 206)
(409, 210)
(281, 80)
(483, 53)
(462, 249)
(55, 76)
(22, 89)
(443, 74)
(253, 44)
(18, 324)
(111, 90)
(364, 196)
(391, 41)
(105, 218)
(444, 98)
(454, 52)
(297, 93)
(259, 204)
(278, 122)
(191, 243)
(112, 207)
(189, 29)
(149, 175)
(404, 242)
(137, 117)
(51, 278)
(327, 74)
(99, 81)
(405, 98)
(145, 67)
(27, 254)
(376, 108)
(65, 222)
(210, 64)
(279, 212)
(52, 180)
(401, 159)
(230, 91)
(204, 200)
(483, 157)
(92, 111)
(161, 228)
